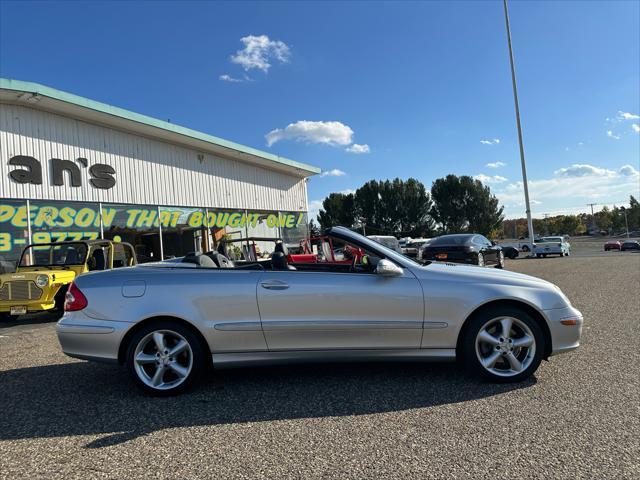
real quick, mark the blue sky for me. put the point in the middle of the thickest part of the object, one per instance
(366, 90)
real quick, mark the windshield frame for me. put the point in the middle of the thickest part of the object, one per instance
(366, 243)
(29, 248)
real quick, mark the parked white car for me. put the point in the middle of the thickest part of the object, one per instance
(552, 246)
(414, 246)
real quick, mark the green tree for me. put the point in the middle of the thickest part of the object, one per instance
(337, 210)
(415, 210)
(395, 207)
(314, 230)
(462, 204)
(633, 213)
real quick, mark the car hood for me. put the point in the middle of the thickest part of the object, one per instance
(475, 274)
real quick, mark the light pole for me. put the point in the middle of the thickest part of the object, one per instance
(515, 99)
(626, 222)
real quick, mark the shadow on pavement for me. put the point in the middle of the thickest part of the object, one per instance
(30, 319)
(85, 398)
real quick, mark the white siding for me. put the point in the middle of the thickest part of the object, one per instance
(148, 171)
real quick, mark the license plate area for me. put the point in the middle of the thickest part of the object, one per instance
(18, 310)
(441, 256)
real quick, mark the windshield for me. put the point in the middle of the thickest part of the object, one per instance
(50, 255)
(388, 252)
(554, 239)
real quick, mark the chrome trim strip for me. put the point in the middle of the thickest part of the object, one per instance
(237, 326)
(429, 325)
(338, 325)
(84, 329)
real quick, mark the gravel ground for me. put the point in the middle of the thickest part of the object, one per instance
(578, 418)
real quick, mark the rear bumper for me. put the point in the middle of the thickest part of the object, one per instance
(452, 257)
(84, 337)
(564, 338)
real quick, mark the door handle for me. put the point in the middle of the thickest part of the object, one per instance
(274, 285)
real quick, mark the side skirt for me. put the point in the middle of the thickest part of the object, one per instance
(231, 360)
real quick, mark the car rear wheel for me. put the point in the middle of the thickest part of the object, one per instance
(500, 260)
(503, 344)
(165, 358)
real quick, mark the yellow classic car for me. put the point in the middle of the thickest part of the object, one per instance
(45, 271)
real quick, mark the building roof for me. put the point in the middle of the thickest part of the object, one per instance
(41, 96)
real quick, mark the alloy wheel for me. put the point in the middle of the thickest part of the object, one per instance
(163, 359)
(480, 260)
(505, 346)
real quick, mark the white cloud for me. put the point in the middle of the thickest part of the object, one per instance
(628, 171)
(496, 164)
(229, 78)
(314, 209)
(356, 148)
(583, 170)
(610, 134)
(627, 116)
(329, 133)
(495, 141)
(259, 51)
(332, 173)
(490, 179)
(570, 187)
(636, 127)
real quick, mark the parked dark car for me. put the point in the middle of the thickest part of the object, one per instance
(510, 252)
(464, 248)
(630, 245)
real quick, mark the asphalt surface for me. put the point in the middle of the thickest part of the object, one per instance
(578, 418)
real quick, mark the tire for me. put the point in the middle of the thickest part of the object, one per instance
(538, 255)
(526, 248)
(511, 363)
(500, 260)
(177, 372)
(480, 260)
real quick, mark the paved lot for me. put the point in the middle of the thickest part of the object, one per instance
(579, 418)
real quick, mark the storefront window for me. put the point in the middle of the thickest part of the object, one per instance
(294, 228)
(64, 221)
(137, 225)
(264, 225)
(227, 224)
(14, 235)
(183, 231)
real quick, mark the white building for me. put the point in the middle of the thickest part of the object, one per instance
(84, 169)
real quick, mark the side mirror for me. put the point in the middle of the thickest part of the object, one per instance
(493, 243)
(387, 268)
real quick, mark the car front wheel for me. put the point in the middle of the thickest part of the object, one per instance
(500, 260)
(165, 358)
(503, 344)
(480, 260)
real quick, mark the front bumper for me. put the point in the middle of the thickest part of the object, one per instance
(32, 306)
(564, 338)
(84, 337)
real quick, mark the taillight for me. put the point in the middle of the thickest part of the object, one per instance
(74, 299)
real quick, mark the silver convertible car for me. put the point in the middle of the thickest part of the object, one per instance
(169, 322)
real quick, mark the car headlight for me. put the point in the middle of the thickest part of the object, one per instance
(42, 280)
